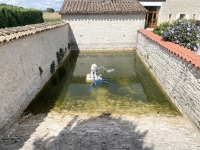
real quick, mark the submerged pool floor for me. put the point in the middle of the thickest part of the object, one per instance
(133, 91)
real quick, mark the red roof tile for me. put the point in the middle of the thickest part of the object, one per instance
(101, 7)
(176, 49)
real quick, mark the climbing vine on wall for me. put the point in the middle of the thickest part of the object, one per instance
(52, 67)
(41, 71)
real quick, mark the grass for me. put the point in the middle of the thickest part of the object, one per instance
(51, 17)
(52, 20)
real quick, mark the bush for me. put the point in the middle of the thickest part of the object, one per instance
(193, 21)
(12, 16)
(157, 30)
(183, 33)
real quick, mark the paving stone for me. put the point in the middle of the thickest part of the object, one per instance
(85, 132)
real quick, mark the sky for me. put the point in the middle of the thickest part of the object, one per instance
(37, 4)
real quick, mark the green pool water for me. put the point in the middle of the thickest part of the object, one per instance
(133, 90)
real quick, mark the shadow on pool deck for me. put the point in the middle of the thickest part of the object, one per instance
(97, 133)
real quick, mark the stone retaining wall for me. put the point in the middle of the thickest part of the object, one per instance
(176, 69)
(20, 59)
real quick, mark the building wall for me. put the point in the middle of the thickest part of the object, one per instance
(179, 78)
(20, 60)
(177, 7)
(104, 31)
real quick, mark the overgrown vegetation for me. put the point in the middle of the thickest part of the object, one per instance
(184, 33)
(157, 30)
(41, 71)
(52, 67)
(161, 27)
(60, 55)
(12, 16)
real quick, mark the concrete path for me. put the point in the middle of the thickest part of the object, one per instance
(55, 131)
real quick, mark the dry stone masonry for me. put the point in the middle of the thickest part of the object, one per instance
(176, 70)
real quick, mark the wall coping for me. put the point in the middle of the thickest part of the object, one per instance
(14, 33)
(180, 51)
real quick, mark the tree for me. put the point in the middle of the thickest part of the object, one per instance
(50, 10)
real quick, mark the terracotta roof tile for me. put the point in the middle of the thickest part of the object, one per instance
(9, 34)
(176, 49)
(101, 7)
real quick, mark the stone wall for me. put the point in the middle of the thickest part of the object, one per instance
(177, 7)
(176, 69)
(20, 59)
(104, 31)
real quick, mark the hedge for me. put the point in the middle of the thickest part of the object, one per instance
(12, 16)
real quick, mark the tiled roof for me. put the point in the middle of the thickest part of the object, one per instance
(9, 34)
(101, 7)
(180, 51)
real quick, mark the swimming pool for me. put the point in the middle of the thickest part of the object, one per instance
(133, 90)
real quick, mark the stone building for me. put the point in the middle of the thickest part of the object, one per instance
(103, 24)
(168, 10)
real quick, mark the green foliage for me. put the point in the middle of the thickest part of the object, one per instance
(58, 57)
(193, 21)
(62, 53)
(183, 33)
(41, 71)
(51, 20)
(11, 16)
(157, 30)
(50, 10)
(52, 67)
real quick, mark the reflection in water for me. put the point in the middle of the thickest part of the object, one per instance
(133, 92)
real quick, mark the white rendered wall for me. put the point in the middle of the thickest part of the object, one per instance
(20, 78)
(179, 79)
(104, 31)
(177, 7)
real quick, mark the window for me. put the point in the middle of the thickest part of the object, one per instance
(170, 16)
(182, 16)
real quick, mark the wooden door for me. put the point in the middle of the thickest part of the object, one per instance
(152, 19)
